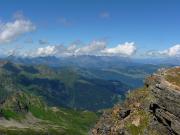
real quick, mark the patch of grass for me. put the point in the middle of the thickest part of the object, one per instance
(15, 131)
(71, 122)
(173, 76)
(7, 113)
(75, 122)
(144, 121)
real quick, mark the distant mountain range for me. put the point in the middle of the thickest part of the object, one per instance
(50, 95)
(91, 61)
(127, 70)
(82, 82)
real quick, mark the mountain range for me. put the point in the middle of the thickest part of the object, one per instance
(48, 95)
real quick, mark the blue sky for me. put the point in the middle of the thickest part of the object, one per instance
(150, 24)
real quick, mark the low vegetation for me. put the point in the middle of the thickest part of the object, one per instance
(173, 76)
(46, 119)
(62, 87)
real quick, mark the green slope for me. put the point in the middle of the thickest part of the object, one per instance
(27, 115)
(65, 87)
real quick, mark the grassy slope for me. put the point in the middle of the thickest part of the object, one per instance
(64, 87)
(52, 120)
(173, 76)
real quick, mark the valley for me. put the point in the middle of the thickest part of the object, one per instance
(44, 99)
(89, 67)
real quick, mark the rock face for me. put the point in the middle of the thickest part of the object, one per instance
(152, 110)
(166, 103)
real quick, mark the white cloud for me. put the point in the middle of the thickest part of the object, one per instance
(151, 53)
(46, 51)
(11, 30)
(126, 49)
(94, 48)
(173, 51)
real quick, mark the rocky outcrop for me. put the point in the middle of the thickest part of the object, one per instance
(124, 119)
(152, 110)
(17, 102)
(166, 103)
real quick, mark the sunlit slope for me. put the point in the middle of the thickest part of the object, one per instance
(26, 114)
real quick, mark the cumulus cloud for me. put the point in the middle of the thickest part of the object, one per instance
(97, 47)
(11, 30)
(46, 51)
(173, 51)
(94, 48)
(126, 49)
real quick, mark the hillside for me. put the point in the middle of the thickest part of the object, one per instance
(33, 101)
(131, 72)
(152, 110)
(25, 114)
(27, 106)
(64, 87)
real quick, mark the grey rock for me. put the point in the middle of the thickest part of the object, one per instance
(124, 113)
(166, 103)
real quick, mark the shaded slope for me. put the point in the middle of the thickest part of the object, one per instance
(65, 87)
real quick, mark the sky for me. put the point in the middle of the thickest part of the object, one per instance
(148, 28)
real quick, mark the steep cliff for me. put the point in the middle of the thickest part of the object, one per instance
(151, 110)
